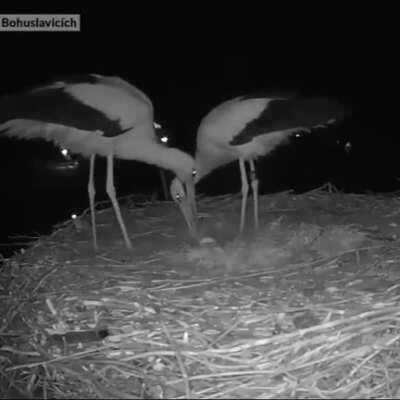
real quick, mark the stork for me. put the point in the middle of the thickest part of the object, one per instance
(248, 127)
(95, 115)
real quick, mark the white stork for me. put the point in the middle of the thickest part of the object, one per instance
(95, 115)
(247, 127)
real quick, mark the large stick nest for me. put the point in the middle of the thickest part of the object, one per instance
(306, 308)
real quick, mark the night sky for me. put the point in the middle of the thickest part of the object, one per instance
(189, 59)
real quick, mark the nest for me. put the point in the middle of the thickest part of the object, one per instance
(306, 308)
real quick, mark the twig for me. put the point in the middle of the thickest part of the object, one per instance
(180, 362)
(45, 276)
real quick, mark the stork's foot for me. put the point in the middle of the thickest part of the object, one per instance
(95, 246)
(129, 245)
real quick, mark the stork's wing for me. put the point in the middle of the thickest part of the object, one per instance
(55, 105)
(292, 115)
(134, 92)
(76, 140)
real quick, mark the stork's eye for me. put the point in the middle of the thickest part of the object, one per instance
(194, 173)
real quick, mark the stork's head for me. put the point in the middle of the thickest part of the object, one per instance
(183, 193)
(182, 187)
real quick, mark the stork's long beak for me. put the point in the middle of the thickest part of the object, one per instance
(188, 208)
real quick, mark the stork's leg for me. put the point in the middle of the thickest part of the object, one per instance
(110, 188)
(254, 187)
(92, 194)
(245, 191)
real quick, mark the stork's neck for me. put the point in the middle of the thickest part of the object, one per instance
(181, 163)
(143, 146)
(202, 169)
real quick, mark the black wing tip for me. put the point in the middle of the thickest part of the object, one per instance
(278, 96)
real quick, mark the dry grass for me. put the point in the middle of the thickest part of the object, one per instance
(289, 313)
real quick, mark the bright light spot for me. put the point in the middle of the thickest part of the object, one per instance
(74, 216)
(298, 134)
(64, 152)
(156, 125)
(347, 147)
(164, 139)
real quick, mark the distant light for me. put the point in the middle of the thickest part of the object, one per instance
(164, 139)
(65, 166)
(74, 216)
(298, 134)
(156, 125)
(64, 152)
(347, 147)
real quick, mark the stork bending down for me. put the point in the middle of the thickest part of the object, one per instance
(96, 115)
(248, 127)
